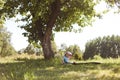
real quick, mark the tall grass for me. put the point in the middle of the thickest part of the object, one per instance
(32, 67)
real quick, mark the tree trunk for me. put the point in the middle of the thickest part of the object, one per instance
(47, 49)
(45, 32)
(46, 41)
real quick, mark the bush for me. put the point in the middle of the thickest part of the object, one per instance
(75, 49)
(78, 56)
(97, 57)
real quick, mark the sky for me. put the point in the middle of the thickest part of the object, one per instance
(108, 25)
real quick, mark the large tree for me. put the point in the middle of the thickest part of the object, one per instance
(45, 16)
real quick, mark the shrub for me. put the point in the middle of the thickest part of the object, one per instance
(97, 57)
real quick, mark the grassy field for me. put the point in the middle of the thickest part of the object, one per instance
(36, 68)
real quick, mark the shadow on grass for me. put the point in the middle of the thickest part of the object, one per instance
(17, 70)
(39, 69)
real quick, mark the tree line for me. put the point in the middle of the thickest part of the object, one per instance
(75, 49)
(106, 47)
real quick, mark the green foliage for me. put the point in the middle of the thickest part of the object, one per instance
(37, 49)
(6, 48)
(105, 47)
(97, 57)
(39, 12)
(1, 3)
(54, 47)
(75, 49)
(31, 49)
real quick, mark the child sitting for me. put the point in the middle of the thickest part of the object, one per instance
(67, 57)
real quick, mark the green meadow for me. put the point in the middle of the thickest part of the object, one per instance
(36, 68)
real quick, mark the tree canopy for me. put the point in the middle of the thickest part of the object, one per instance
(70, 12)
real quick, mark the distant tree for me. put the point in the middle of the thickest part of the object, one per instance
(75, 49)
(106, 47)
(70, 48)
(54, 47)
(31, 49)
(6, 48)
(77, 52)
(45, 16)
(92, 48)
(63, 47)
(21, 51)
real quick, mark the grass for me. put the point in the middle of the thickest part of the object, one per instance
(34, 68)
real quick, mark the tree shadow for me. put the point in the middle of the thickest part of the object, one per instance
(18, 69)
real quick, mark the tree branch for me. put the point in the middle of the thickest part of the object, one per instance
(55, 10)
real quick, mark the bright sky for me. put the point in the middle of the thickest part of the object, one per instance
(17, 39)
(109, 25)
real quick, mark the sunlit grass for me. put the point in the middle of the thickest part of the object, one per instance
(33, 67)
(14, 58)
